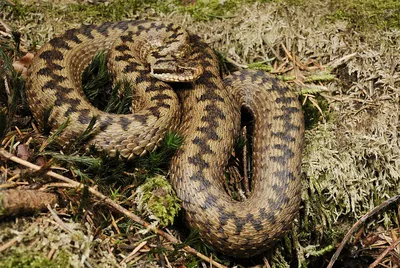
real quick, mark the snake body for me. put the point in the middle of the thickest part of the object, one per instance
(208, 109)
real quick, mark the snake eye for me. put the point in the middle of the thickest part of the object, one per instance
(180, 70)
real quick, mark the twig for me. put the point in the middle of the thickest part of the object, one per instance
(16, 239)
(384, 253)
(55, 185)
(59, 221)
(6, 86)
(9, 243)
(132, 254)
(167, 261)
(11, 2)
(109, 202)
(51, 253)
(311, 98)
(8, 185)
(293, 58)
(357, 224)
(5, 27)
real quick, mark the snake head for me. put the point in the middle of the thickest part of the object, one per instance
(170, 69)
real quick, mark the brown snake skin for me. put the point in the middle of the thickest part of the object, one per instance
(209, 116)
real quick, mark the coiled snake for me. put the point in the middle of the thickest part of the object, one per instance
(148, 53)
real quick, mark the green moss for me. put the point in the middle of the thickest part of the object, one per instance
(17, 9)
(34, 260)
(33, 11)
(204, 10)
(157, 196)
(368, 14)
(120, 9)
(208, 9)
(361, 13)
(312, 110)
(114, 10)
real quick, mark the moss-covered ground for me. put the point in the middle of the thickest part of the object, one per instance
(343, 59)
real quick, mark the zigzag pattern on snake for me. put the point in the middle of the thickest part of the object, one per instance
(206, 113)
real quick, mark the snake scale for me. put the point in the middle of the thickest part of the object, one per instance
(205, 111)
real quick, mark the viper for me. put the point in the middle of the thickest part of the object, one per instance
(205, 111)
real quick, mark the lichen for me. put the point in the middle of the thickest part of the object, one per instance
(35, 239)
(351, 159)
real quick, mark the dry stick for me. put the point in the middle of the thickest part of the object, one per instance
(9, 244)
(132, 254)
(167, 261)
(293, 58)
(357, 224)
(60, 222)
(109, 202)
(384, 253)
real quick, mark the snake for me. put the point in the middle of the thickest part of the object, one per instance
(205, 109)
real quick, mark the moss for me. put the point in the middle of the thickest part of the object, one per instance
(38, 237)
(113, 10)
(361, 13)
(209, 9)
(17, 9)
(351, 162)
(368, 14)
(312, 111)
(158, 198)
(34, 260)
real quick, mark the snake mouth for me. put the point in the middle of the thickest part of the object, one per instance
(176, 74)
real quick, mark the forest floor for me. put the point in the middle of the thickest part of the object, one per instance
(341, 57)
